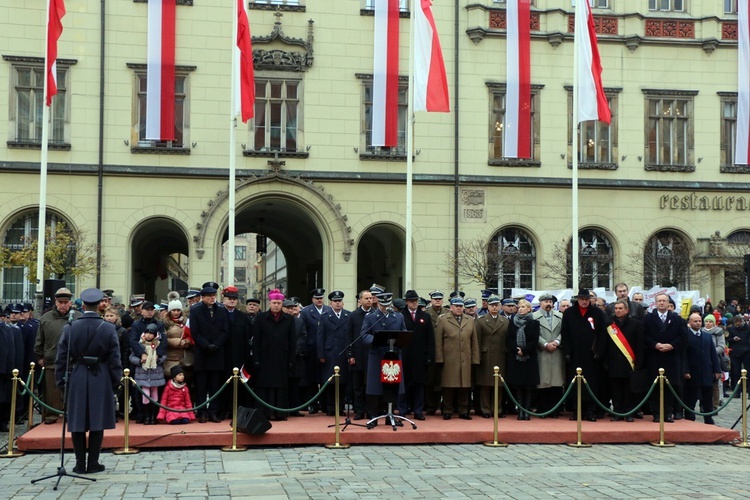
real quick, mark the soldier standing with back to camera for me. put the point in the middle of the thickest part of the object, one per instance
(89, 353)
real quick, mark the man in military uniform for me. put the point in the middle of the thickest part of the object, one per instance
(332, 339)
(89, 354)
(311, 314)
(491, 330)
(48, 336)
(432, 387)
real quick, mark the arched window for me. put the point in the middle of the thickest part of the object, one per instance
(741, 237)
(666, 261)
(15, 285)
(595, 260)
(517, 260)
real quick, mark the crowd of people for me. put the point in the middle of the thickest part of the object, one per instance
(182, 353)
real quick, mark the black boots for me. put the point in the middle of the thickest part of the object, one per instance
(95, 446)
(150, 410)
(79, 448)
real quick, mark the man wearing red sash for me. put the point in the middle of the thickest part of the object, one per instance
(623, 354)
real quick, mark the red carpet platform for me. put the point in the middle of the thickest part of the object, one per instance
(313, 430)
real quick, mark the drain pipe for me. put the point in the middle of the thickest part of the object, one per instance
(455, 144)
(101, 151)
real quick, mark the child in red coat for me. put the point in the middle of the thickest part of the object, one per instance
(176, 396)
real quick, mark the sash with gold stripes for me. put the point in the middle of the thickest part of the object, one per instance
(622, 343)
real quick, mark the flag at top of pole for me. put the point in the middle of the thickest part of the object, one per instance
(56, 11)
(245, 84)
(517, 121)
(160, 70)
(742, 148)
(593, 103)
(430, 80)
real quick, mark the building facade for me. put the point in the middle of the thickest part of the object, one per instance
(661, 201)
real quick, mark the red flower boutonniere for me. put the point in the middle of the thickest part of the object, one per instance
(591, 322)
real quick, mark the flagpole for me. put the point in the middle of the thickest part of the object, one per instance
(409, 152)
(574, 209)
(41, 233)
(229, 277)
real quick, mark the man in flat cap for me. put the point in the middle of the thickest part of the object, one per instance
(252, 308)
(550, 358)
(50, 330)
(89, 354)
(432, 388)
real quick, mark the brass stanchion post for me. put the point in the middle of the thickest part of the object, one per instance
(337, 425)
(12, 451)
(30, 388)
(496, 416)
(235, 381)
(743, 443)
(661, 443)
(126, 449)
(579, 384)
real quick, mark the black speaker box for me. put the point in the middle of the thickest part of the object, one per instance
(251, 421)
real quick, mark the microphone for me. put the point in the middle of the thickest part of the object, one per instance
(70, 315)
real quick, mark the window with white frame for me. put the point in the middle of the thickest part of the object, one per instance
(24, 228)
(276, 126)
(667, 5)
(278, 2)
(403, 5)
(398, 150)
(499, 122)
(516, 259)
(597, 141)
(27, 105)
(669, 128)
(181, 140)
(730, 6)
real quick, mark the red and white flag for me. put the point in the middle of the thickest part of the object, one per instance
(742, 150)
(517, 125)
(430, 80)
(56, 11)
(245, 84)
(592, 102)
(385, 74)
(160, 70)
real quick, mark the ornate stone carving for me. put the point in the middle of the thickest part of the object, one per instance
(275, 175)
(603, 25)
(498, 20)
(716, 245)
(670, 28)
(284, 60)
(729, 30)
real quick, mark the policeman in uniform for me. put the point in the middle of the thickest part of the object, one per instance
(89, 353)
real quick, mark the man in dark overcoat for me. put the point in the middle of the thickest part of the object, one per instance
(332, 340)
(89, 354)
(383, 319)
(209, 327)
(8, 362)
(311, 314)
(297, 376)
(418, 356)
(358, 370)
(665, 333)
(274, 353)
(623, 353)
(703, 369)
(237, 347)
(583, 330)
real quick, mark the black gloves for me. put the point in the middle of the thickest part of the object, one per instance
(213, 348)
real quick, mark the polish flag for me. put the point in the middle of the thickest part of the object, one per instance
(592, 102)
(517, 125)
(160, 70)
(245, 84)
(385, 74)
(742, 150)
(430, 80)
(55, 11)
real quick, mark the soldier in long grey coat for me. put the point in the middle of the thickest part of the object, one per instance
(90, 351)
(491, 330)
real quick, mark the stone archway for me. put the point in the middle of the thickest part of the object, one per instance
(159, 255)
(380, 258)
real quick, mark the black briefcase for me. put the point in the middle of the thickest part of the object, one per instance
(251, 421)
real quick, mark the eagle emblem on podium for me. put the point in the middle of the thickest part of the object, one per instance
(390, 371)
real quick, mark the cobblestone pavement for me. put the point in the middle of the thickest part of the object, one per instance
(438, 471)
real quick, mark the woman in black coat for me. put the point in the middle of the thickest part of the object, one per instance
(522, 367)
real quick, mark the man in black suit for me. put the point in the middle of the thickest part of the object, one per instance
(665, 333)
(358, 370)
(702, 369)
(417, 356)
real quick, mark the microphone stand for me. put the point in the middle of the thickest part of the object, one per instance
(61, 472)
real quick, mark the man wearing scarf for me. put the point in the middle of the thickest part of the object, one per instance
(583, 331)
(274, 353)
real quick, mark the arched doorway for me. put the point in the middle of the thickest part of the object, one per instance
(293, 256)
(159, 254)
(380, 258)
